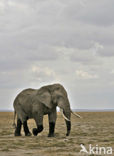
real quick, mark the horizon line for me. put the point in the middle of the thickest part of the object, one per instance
(77, 110)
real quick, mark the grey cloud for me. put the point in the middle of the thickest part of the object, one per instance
(82, 57)
(107, 51)
(42, 75)
(33, 28)
(19, 53)
(99, 13)
(63, 36)
(93, 12)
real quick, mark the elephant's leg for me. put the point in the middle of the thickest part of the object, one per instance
(26, 129)
(18, 128)
(52, 120)
(39, 122)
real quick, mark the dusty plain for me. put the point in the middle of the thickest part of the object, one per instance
(96, 128)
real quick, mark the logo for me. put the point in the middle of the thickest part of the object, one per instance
(96, 150)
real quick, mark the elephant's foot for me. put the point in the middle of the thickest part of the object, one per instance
(67, 134)
(28, 134)
(51, 135)
(35, 131)
(17, 134)
(51, 129)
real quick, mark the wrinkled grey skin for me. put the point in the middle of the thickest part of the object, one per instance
(35, 103)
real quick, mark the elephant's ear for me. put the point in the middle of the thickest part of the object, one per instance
(45, 98)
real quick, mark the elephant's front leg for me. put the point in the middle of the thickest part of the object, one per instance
(39, 122)
(52, 120)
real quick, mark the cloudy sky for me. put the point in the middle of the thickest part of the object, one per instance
(58, 41)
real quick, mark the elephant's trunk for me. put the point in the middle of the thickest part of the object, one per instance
(68, 125)
(67, 114)
(61, 110)
(64, 104)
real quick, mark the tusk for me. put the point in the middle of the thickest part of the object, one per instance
(64, 115)
(76, 114)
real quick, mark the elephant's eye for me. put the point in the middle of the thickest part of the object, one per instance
(57, 88)
(58, 97)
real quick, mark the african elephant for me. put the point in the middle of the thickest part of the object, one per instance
(35, 103)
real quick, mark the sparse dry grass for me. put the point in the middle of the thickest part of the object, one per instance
(95, 128)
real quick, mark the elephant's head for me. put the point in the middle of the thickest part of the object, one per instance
(55, 95)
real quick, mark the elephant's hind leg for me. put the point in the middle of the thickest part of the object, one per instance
(26, 129)
(18, 128)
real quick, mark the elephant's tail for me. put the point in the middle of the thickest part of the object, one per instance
(14, 125)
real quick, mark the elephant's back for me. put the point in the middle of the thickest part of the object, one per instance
(28, 91)
(24, 95)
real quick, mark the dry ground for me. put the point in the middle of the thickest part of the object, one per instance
(96, 128)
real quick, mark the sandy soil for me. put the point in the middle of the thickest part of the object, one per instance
(94, 128)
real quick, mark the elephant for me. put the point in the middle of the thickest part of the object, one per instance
(35, 103)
